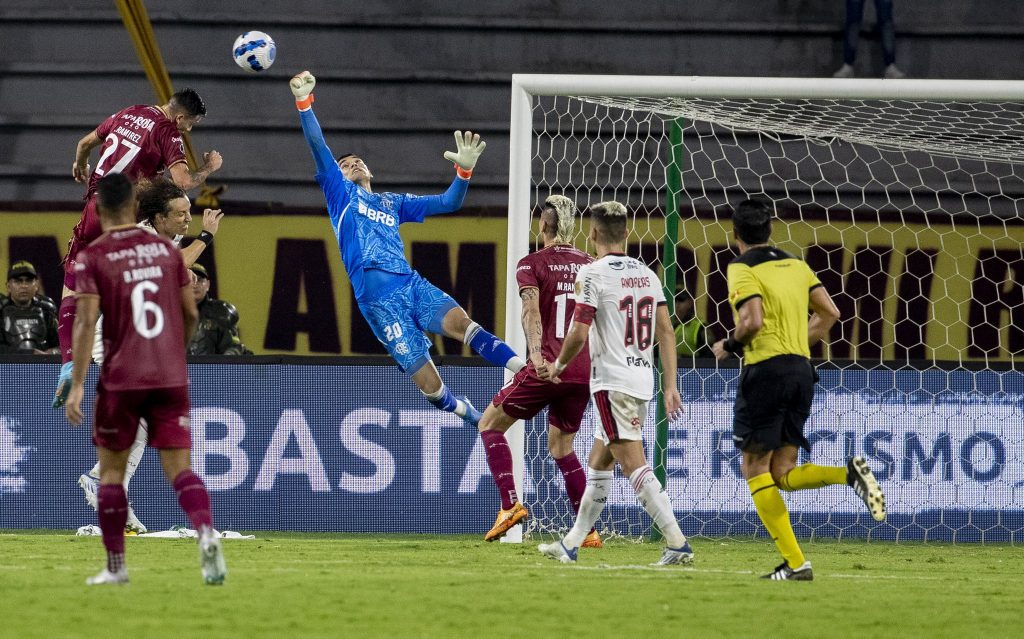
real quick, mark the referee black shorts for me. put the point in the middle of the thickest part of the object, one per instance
(773, 402)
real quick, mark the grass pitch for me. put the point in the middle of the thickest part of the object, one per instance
(305, 585)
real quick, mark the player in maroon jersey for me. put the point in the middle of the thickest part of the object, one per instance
(139, 282)
(140, 141)
(546, 279)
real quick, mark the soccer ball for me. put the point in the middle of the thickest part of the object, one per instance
(254, 51)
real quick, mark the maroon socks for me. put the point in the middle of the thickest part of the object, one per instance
(499, 459)
(193, 499)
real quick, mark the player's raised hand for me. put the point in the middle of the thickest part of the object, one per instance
(80, 172)
(73, 405)
(468, 147)
(212, 160)
(302, 85)
(211, 220)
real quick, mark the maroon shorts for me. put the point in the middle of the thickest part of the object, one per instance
(87, 230)
(525, 395)
(164, 409)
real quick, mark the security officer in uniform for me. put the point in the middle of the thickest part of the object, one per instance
(691, 334)
(217, 332)
(28, 321)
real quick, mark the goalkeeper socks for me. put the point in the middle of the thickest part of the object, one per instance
(807, 476)
(193, 499)
(135, 455)
(492, 349)
(113, 514)
(65, 324)
(591, 505)
(655, 501)
(575, 479)
(772, 511)
(444, 400)
(499, 459)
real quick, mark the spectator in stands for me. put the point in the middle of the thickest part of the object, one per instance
(691, 335)
(28, 320)
(217, 332)
(886, 32)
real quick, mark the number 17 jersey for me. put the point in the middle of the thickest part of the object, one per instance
(552, 270)
(619, 295)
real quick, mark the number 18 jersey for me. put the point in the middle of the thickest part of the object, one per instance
(618, 296)
(138, 278)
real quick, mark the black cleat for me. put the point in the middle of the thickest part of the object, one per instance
(860, 477)
(785, 573)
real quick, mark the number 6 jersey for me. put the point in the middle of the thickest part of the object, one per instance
(618, 295)
(138, 278)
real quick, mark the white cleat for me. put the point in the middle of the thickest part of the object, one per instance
(556, 550)
(132, 525)
(845, 71)
(863, 482)
(674, 556)
(105, 577)
(211, 558)
(90, 486)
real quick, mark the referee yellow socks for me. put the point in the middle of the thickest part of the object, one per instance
(772, 511)
(807, 476)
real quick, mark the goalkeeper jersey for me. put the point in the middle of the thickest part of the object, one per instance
(366, 223)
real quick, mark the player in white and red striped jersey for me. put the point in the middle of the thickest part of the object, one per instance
(620, 307)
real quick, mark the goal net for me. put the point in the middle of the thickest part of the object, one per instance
(906, 197)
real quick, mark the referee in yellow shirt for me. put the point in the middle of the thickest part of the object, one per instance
(771, 292)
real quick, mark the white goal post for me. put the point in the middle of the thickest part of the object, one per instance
(906, 151)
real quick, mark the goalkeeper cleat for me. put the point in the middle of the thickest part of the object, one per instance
(675, 556)
(132, 525)
(593, 540)
(784, 573)
(472, 416)
(860, 477)
(211, 557)
(63, 385)
(90, 487)
(105, 577)
(506, 519)
(558, 551)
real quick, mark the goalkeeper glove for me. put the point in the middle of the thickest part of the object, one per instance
(302, 88)
(468, 147)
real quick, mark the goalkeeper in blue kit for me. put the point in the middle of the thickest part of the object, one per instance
(397, 302)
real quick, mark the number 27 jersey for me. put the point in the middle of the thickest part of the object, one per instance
(619, 295)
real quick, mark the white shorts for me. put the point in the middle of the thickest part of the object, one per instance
(619, 416)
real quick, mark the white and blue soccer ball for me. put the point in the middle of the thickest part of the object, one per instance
(254, 51)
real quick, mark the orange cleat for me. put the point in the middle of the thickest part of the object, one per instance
(593, 540)
(506, 519)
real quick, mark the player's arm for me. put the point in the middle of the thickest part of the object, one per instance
(80, 169)
(188, 179)
(190, 313)
(574, 342)
(87, 308)
(532, 325)
(211, 224)
(302, 88)
(666, 338)
(468, 148)
(824, 315)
